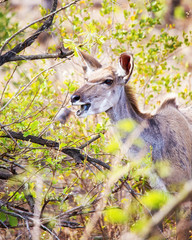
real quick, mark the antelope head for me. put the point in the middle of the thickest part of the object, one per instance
(103, 86)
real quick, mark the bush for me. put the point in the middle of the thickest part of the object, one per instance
(57, 182)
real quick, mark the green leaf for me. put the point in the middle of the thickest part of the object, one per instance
(155, 199)
(115, 215)
(113, 146)
(126, 125)
(62, 145)
(25, 134)
(65, 190)
(13, 221)
(179, 12)
(2, 217)
(139, 225)
(34, 125)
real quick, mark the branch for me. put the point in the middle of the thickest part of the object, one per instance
(30, 217)
(90, 141)
(60, 54)
(26, 219)
(11, 55)
(75, 153)
(11, 162)
(38, 20)
(19, 47)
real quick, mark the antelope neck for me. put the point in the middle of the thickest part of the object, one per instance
(123, 110)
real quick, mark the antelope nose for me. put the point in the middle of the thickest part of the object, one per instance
(75, 98)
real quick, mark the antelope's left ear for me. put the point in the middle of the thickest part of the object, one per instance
(91, 64)
(125, 66)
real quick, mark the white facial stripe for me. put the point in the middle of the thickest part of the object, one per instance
(78, 103)
(92, 83)
(88, 70)
(99, 81)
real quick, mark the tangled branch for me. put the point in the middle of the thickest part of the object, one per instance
(75, 153)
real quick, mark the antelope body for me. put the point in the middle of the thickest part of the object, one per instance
(168, 132)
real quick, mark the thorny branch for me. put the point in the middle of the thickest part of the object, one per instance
(28, 217)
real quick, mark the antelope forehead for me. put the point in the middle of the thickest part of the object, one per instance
(100, 75)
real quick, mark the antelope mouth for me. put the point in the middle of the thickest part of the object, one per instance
(84, 109)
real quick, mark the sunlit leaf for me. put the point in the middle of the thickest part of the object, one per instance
(115, 215)
(155, 199)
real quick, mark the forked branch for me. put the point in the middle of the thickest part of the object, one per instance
(12, 54)
(21, 46)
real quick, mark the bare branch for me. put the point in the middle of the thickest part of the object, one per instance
(11, 55)
(90, 141)
(38, 20)
(19, 47)
(40, 56)
(3, 158)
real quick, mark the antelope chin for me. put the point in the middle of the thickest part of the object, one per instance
(82, 112)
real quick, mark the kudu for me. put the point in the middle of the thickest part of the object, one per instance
(168, 132)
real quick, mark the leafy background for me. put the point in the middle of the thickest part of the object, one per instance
(66, 194)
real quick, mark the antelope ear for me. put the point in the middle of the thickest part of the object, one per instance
(91, 64)
(125, 67)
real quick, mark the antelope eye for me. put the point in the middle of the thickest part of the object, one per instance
(108, 81)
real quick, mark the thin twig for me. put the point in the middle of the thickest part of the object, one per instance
(48, 230)
(7, 84)
(12, 213)
(11, 162)
(90, 141)
(6, 131)
(28, 228)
